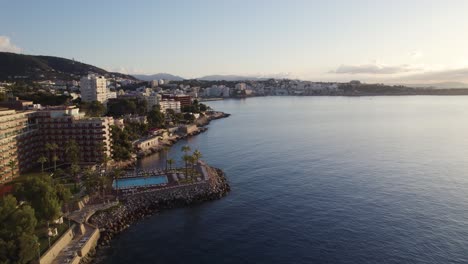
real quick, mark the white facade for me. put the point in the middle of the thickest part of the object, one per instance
(93, 88)
(170, 104)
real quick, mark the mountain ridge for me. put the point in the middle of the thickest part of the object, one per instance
(15, 66)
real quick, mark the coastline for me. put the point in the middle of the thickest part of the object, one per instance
(133, 208)
(201, 124)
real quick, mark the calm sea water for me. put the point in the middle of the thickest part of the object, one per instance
(322, 180)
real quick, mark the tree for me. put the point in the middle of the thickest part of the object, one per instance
(17, 225)
(72, 150)
(12, 164)
(203, 108)
(52, 147)
(42, 159)
(191, 160)
(155, 118)
(189, 117)
(186, 158)
(186, 149)
(93, 109)
(165, 149)
(74, 169)
(43, 195)
(117, 175)
(197, 155)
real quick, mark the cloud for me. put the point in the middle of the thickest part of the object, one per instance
(373, 69)
(7, 46)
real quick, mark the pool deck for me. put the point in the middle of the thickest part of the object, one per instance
(173, 180)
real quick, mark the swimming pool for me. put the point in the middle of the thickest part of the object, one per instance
(139, 182)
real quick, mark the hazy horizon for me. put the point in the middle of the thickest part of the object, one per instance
(372, 41)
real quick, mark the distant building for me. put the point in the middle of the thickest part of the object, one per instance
(135, 119)
(111, 95)
(93, 88)
(185, 100)
(15, 103)
(241, 86)
(154, 83)
(170, 104)
(146, 144)
(152, 100)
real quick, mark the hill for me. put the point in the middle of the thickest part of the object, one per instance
(34, 67)
(158, 76)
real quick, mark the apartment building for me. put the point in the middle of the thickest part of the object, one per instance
(18, 143)
(94, 88)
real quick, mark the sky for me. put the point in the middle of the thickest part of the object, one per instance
(410, 41)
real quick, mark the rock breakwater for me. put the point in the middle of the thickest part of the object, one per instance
(135, 207)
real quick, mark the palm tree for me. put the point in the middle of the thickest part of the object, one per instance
(197, 155)
(105, 160)
(165, 150)
(170, 162)
(186, 159)
(186, 149)
(146, 176)
(191, 160)
(12, 165)
(117, 175)
(42, 159)
(74, 169)
(52, 147)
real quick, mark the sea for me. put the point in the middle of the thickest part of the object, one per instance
(321, 180)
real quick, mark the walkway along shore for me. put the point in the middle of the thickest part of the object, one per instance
(137, 206)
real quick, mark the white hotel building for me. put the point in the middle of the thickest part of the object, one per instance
(93, 88)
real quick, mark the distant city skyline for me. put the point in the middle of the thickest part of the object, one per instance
(373, 41)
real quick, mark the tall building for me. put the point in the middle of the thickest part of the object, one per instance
(93, 88)
(18, 143)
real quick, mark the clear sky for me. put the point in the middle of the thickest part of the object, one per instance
(416, 41)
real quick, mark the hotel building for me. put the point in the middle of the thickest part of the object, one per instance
(24, 135)
(94, 88)
(18, 143)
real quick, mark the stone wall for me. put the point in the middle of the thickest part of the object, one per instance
(90, 244)
(55, 249)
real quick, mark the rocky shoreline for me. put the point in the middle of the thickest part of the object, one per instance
(113, 221)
